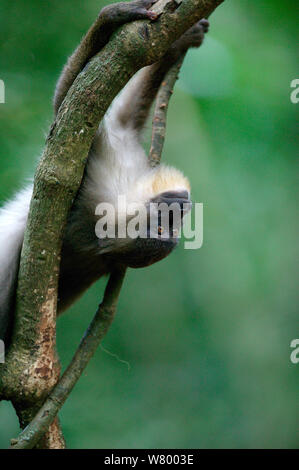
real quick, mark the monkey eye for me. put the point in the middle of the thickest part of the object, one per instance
(160, 230)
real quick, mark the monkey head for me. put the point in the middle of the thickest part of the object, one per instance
(160, 200)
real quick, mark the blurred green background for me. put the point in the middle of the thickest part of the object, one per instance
(199, 353)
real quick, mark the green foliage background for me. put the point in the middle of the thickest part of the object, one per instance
(199, 354)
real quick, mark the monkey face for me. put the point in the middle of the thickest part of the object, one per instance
(165, 214)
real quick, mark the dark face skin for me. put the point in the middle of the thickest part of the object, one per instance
(141, 252)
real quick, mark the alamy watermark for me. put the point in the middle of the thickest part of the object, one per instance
(294, 96)
(2, 92)
(155, 220)
(2, 352)
(294, 357)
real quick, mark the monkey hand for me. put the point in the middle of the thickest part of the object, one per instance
(125, 12)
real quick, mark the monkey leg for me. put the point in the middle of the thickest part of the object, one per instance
(109, 19)
(137, 97)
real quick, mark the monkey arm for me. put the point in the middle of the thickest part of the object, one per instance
(109, 19)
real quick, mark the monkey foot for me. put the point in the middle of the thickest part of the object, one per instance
(193, 37)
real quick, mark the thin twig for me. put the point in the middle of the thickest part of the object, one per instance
(160, 113)
(89, 343)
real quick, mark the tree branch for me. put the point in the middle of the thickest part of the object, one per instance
(160, 113)
(88, 346)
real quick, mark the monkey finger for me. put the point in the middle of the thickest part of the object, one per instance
(205, 24)
(142, 13)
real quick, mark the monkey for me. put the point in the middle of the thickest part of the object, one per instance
(117, 165)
